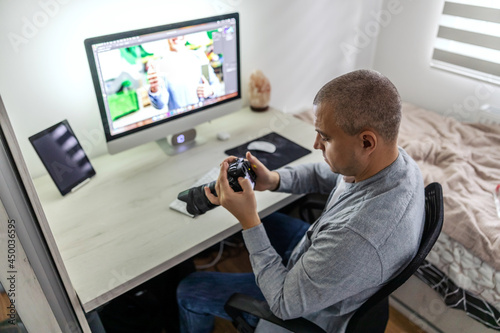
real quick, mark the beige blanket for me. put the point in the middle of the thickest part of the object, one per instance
(465, 159)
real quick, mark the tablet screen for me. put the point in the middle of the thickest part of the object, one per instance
(62, 156)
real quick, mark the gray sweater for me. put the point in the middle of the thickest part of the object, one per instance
(360, 241)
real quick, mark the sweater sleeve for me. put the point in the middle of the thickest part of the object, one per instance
(307, 178)
(327, 273)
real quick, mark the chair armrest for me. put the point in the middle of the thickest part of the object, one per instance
(239, 303)
(308, 207)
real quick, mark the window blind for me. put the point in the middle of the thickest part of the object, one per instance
(468, 39)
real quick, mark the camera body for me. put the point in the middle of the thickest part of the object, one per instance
(197, 202)
(240, 168)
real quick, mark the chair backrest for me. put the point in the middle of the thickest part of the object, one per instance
(434, 215)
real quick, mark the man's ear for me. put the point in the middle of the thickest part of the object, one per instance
(368, 141)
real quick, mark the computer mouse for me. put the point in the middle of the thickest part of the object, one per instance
(264, 146)
(223, 136)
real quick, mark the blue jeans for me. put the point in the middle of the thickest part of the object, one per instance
(202, 295)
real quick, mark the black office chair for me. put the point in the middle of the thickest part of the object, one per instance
(373, 315)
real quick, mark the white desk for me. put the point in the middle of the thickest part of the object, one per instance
(117, 231)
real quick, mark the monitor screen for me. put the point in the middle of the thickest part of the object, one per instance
(157, 81)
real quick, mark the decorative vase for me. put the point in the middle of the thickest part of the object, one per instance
(260, 91)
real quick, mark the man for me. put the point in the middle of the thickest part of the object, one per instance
(370, 228)
(177, 80)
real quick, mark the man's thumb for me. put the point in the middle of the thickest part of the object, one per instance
(254, 161)
(245, 184)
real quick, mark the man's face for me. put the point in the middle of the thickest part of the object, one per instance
(176, 44)
(340, 150)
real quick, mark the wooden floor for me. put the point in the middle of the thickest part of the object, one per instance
(235, 259)
(4, 303)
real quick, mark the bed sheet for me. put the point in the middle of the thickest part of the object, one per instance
(465, 159)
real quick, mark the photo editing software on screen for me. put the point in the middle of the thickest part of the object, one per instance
(166, 74)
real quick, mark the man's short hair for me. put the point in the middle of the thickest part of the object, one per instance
(361, 100)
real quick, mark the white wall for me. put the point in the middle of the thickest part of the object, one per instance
(404, 51)
(45, 76)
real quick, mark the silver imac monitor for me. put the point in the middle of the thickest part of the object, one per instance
(155, 82)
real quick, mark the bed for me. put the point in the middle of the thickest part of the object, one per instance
(464, 265)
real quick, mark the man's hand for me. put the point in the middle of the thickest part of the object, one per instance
(266, 180)
(204, 90)
(242, 205)
(154, 83)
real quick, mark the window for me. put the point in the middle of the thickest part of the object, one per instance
(468, 39)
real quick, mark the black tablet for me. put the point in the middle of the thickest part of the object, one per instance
(63, 157)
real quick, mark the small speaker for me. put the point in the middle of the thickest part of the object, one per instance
(183, 138)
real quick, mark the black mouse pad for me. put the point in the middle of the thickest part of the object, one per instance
(286, 151)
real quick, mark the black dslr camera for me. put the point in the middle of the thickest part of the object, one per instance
(197, 202)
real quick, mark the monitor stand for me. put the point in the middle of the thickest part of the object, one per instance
(180, 142)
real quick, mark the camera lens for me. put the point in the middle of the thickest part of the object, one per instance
(197, 202)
